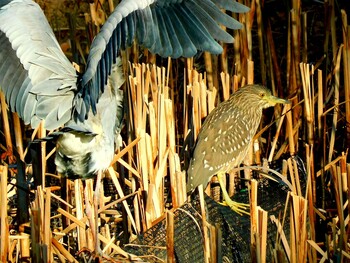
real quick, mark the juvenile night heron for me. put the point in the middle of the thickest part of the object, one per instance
(225, 137)
(41, 84)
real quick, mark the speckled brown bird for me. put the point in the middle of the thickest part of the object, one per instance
(226, 135)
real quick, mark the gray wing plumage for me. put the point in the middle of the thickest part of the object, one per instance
(41, 84)
(38, 80)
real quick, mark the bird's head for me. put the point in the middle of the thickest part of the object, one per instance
(257, 96)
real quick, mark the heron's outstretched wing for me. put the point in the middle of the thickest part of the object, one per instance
(37, 79)
(170, 28)
(40, 83)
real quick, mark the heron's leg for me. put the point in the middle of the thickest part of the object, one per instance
(239, 208)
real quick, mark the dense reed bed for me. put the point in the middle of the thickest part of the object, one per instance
(299, 49)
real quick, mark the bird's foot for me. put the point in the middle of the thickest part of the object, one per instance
(239, 208)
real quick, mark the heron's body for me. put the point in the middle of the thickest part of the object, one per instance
(87, 147)
(227, 133)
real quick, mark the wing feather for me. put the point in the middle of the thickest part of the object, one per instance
(47, 86)
(37, 78)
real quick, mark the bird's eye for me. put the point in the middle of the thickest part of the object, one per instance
(262, 94)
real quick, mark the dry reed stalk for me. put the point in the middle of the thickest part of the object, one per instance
(90, 211)
(310, 194)
(344, 176)
(308, 101)
(4, 237)
(214, 244)
(203, 99)
(65, 253)
(209, 70)
(292, 177)
(120, 192)
(18, 135)
(290, 133)
(6, 124)
(304, 31)
(206, 239)
(298, 229)
(79, 210)
(278, 130)
(225, 82)
(296, 34)
(181, 184)
(280, 236)
(76, 222)
(316, 247)
(246, 36)
(260, 26)
(170, 123)
(275, 71)
(170, 236)
(24, 247)
(336, 102)
(262, 234)
(338, 196)
(346, 70)
(254, 220)
(47, 235)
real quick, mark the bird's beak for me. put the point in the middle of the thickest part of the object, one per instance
(272, 100)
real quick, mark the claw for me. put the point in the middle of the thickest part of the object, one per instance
(239, 208)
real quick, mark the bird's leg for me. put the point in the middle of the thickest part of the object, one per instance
(239, 208)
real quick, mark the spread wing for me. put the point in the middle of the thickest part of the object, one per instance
(41, 84)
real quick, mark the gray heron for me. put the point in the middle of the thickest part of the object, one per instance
(41, 84)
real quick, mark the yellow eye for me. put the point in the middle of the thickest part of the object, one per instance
(262, 94)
